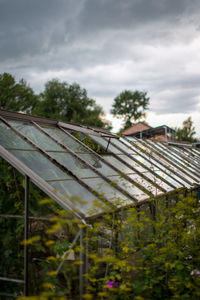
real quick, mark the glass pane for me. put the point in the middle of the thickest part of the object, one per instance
(109, 192)
(146, 156)
(38, 163)
(136, 165)
(129, 187)
(182, 159)
(99, 140)
(144, 171)
(168, 168)
(158, 181)
(131, 143)
(169, 179)
(36, 136)
(98, 164)
(130, 173)
(115, 162)
(79, 196)
(186, 158)
(177, 162)
(65, 139)
(9, 139)
(119, 144)
(146, 184)
(73, 164)
(171, 170)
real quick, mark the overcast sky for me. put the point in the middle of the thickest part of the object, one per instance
(107, 46)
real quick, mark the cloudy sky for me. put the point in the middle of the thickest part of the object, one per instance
(107, 46)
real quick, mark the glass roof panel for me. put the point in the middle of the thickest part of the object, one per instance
(81, 198)
(150, 187)
(83, 152)
(145, 172)
(132, 174)
(118, 143)
(99, 140)
(9, 139)
(84, 172)
(169, 179)
(173, 169)
(145, 162)
(168, 168)
(117, 163)
(183, 160)
(36, 136)
(176, 161)
(185, 157)
(72, 163)
(109, 192)
(38, 163)
(146, 154)
(65, 139)
(98, 164)
(130, 187)
(123, 156)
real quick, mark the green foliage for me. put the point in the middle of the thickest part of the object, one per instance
(187, 132)
(16, 96)
(69, 103)
(86, 139)
(133, 254)
(59, 100)
(130, 105)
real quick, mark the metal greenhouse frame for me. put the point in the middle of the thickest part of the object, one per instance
(128, 169)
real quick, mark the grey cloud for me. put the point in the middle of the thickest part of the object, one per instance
(39, 27)
(176, 101)
(33, 27)
(129, 14)
(39, 36)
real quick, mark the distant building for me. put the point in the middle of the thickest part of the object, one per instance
(142, 130)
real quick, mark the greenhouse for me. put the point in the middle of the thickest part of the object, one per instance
(87, 173)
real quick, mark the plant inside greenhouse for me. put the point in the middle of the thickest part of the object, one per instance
(87, 214)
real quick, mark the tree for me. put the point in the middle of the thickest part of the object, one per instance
(187, 132)
(16, 96)
(69, 103)
(130, 105)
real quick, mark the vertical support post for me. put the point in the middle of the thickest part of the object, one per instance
(166, 138)
(86, 256)
(198, 192)
(81, 265)
(26, 215)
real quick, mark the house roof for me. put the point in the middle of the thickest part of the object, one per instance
(146, 132)
(141, 126)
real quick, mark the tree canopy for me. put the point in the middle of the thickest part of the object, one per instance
(59, 100)
(187, 132)
(16, 96)
(130, 105)
(70, 103)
